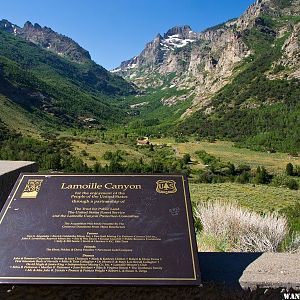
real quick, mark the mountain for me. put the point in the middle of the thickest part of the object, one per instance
(239, 80)
(47, 77)
(48, 39)
(206, 61)
(201, 61)
(156, 52)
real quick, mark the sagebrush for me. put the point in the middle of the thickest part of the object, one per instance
(240, 229)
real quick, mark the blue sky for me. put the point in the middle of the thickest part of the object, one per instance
(116, 30)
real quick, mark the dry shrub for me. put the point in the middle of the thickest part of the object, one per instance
(242, 230)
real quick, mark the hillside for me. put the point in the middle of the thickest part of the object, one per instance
(54, 89)
(238, 80)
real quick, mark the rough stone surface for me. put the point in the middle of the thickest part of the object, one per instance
(273, 270)
(291, 52)
(9, 172)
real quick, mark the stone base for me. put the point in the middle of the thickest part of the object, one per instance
(273, 270)
(9, 172)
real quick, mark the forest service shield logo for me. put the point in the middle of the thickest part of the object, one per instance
(32, 189)
(166, 186)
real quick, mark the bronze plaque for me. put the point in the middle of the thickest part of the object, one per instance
(98, 229)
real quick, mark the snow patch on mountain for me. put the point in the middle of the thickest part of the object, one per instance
(175, 41)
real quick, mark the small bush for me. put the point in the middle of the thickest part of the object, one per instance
(292, 184)
(83, 153)
(205, 177)
(262, 176)
(278, 69)
(243, 178)
(243, 168)
(241, 230)
(280, 180)
(108, 155)
(289, 169)
(285, 181)
(206, 157)
(181, 139)
(186, 158)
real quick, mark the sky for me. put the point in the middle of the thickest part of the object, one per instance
(117, 30)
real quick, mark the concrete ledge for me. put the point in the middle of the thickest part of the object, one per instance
(273, 270)
(9, 172)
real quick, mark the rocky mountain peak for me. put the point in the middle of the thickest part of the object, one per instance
(55, 42)
(5, 24)
(183, 31)
(46, 38)
(27, 25)
(8, 26)
(37, 26)
(158, 37)
(159, 48)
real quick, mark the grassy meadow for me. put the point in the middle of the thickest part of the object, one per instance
(98, 149)
(274, 162)
(225, 150)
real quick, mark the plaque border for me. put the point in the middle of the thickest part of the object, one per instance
(188, 218)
